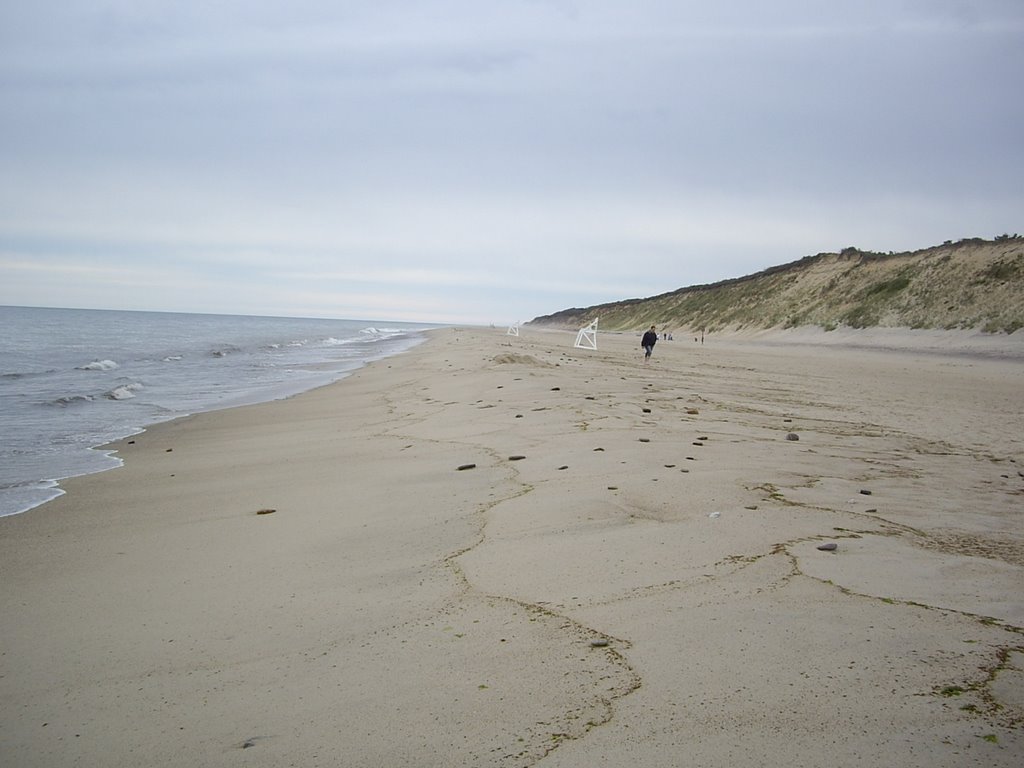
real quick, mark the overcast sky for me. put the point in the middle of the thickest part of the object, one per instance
(477, 161)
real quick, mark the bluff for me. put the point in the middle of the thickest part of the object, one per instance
(970, 284)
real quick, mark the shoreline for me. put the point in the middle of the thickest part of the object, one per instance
(630, 567)
(53, 484)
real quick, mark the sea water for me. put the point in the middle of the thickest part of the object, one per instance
(72, 380)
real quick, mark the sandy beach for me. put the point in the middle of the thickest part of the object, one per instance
(505, 551)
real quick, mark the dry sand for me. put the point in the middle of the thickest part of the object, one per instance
(643, 587)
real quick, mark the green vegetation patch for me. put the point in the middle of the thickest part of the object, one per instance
(888, 288)
(1002, 270)
(862, 316)
(873, 299)
(1002, 326)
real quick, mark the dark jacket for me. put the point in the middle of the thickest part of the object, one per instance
(649, 339)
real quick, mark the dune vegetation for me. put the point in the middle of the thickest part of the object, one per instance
(970, 284)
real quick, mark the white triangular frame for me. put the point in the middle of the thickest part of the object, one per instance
(587, 337)
(513, 330)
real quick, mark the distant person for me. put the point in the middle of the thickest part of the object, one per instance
(648, 341)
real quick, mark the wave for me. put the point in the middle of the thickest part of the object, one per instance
(172, 359)
(330, 341)
(26, 495)
(387, 331)
(376, 334)
(73, 400)
(28, 484)
(230, 349)
(15, 375)
(99, 365)
(124, 392)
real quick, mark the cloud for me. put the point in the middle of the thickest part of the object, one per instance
(489, 157)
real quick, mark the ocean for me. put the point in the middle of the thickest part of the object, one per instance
(72, 380)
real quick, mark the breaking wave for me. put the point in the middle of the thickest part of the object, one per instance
(99, 365)
(124, 392)
(74, 400)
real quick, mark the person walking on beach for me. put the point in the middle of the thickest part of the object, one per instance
(647, 342)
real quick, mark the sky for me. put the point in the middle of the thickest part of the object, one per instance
(487, 161)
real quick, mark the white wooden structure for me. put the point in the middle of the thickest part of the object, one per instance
(587, 337)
